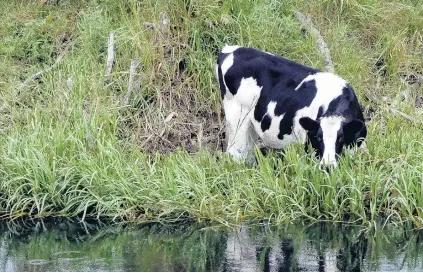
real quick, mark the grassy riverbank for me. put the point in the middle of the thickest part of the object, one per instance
(70, 144)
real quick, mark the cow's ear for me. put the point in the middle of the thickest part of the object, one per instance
(309, 124)
(353, 127)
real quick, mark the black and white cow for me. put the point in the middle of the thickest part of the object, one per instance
(280, 101)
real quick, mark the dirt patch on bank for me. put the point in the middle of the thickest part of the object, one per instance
(180, 122)
(191, 133)
(175, 118)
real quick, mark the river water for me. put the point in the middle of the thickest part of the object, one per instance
(69, 245)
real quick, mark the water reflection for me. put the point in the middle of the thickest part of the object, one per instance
(66, 245)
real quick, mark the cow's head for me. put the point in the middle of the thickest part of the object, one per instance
(329, 135)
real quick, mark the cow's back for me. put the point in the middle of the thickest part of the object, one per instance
(268, 70)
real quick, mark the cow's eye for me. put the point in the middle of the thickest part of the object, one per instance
(319, 138)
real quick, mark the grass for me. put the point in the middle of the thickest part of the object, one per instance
(76, 150)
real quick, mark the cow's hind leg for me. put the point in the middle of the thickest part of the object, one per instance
(240, 131)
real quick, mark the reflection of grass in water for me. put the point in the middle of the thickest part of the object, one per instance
(154, 248)
(191, 248)
(69, 151)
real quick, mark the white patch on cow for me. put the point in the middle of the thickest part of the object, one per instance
(241, 135)
(229, 48)
(269, 53)
(227, 63)
(271, 109)
(248, 92)
(298, 132)
(329, 86)
(330, 127)
(239, 112)
(270, 136)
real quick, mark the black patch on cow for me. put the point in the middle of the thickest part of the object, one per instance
(285, 127)
(233, 79)
(353, 131)
(314, 138)
(314, 135)
(345, 105)
(261, 107)
(339, 106)
(265, 122)
(320, 112)
(340, 141)
(348, 107)
(292, 83)
(290, 101)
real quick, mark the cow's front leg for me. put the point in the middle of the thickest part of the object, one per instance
(240, 131)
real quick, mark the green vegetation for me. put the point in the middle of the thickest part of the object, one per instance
(77, 150)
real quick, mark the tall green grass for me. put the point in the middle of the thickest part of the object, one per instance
(77, 151)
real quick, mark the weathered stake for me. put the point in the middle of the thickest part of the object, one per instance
(323, 47)
(132, 84)
(110, 57)
(69, 83)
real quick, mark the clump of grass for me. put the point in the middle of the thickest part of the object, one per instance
(77, 151)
